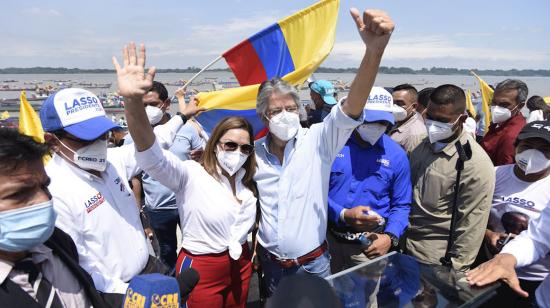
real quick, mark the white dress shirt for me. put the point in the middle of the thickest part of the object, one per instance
(530, 246)
(293, 193)
(211, 220)
(101, 216)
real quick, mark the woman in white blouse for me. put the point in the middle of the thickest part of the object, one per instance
(216, 198)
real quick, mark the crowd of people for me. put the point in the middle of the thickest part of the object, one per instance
(380, 170)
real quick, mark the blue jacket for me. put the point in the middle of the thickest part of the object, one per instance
(378, 176)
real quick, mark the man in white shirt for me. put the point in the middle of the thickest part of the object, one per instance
(91, 194)
(38, 262)
(533, 244)
(294, 163)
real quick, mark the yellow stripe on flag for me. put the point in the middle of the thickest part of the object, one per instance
(241, 98)
(29, 122)
(547, 99)
(469, 104)
(309, 35)
(486, 99)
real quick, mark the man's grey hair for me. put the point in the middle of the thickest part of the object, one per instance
(267, 88)
(514, 84)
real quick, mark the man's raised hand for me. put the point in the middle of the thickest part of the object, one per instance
(375, 28)
(132, 80)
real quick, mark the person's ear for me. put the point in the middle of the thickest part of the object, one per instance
(52, 141)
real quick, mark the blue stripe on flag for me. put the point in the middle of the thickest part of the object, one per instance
(271, 47)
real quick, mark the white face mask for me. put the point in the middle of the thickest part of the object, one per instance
(90, 157)
(285, 125)
(400, 113)
(154, 114)
(232, 161)
(532, 161)
(500, 114)
(371, 132)
(438, 130)
(535, 115)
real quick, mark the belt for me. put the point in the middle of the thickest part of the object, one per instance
(308, 257)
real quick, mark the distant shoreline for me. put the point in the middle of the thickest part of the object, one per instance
(383, 70)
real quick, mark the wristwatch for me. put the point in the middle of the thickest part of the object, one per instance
(393, 238)
(183, 117)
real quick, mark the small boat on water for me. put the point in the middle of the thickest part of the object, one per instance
(8, 88)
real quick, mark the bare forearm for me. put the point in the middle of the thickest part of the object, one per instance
(362, 83)
(138, 124)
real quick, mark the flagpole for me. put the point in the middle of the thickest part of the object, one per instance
(200, 72)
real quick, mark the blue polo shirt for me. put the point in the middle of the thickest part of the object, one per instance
(378, 176)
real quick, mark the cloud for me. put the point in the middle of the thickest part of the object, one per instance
(474, 34)
(437, 47)
(211, 39)
(36, 11)
(520, 29)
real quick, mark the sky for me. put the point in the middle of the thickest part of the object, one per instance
(482, 34)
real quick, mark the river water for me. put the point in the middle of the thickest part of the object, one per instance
(537, 85)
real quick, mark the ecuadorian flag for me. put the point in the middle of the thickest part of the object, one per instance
(291, 49)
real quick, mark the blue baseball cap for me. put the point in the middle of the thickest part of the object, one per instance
(379, 106)
(76, 111)
(325, 89)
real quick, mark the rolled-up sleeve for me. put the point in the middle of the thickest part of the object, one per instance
(163, 166)
(532, 244)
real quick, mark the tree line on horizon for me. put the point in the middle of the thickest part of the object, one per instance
(382, 70)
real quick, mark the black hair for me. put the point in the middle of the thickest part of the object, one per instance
(160, 89)
(424, 96)
(409, 88)
(514, 84)
(16, 148)
(449, 94)
(536, 102)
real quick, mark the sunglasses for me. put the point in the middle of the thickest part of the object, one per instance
(231, 146)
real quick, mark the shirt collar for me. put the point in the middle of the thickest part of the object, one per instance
(39, 254)
(403, 127)
(511, 121)
(450, 149)
(5, 269)
(239, 175)
(267, 139)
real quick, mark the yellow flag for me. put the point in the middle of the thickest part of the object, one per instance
(5, 115)
(547, 99)
(29, 122)
(469, 104)
(486, 99)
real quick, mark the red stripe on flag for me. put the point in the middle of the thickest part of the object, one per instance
(262, 133)
(245, 64)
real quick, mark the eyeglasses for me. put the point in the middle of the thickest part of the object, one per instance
(274, 112)
(231, 146)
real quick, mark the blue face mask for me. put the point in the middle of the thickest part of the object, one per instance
(23, 229)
